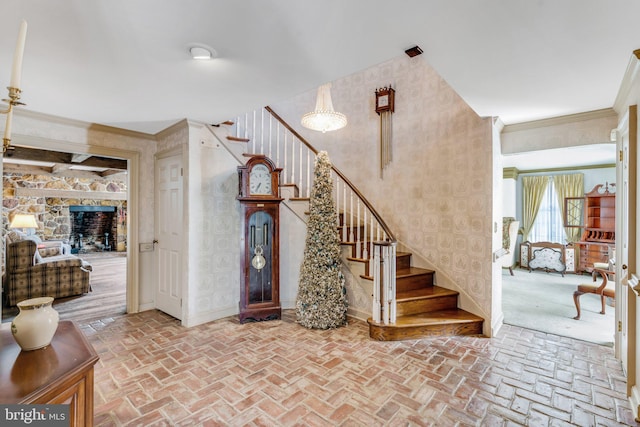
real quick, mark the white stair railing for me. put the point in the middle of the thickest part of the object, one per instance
(384, 295)
(266, 133)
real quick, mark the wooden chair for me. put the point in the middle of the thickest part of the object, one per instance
(606, 289)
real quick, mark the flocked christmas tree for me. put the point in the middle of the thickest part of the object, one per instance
(322, 297)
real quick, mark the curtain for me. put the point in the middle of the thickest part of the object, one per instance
(569, 186)
(533, 188)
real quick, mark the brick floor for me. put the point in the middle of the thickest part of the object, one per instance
(154, 372)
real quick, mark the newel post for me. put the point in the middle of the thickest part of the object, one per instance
(384, 282)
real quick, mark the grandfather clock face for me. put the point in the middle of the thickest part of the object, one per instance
(260, 180)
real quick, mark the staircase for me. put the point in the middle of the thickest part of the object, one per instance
(406, 302)
(422, 308)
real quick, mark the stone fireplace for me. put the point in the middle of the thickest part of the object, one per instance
(99, 206)
(93, 228)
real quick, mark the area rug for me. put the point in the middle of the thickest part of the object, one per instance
(544, 302)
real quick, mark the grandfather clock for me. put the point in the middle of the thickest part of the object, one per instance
(259, 198)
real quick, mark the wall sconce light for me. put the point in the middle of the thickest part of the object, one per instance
(14, 86)
(323, 118)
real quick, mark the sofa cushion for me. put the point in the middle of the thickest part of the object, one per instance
(50, 248)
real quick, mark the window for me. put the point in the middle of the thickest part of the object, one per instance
(548, 225)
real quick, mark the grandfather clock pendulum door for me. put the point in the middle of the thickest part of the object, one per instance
(259, 198)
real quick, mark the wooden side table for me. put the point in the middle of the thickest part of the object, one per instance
(61, 373)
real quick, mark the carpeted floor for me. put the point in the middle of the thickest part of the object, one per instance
(544, 302)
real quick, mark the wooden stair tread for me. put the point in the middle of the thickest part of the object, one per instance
(237, 139)
(441, 317)
(406, 272)
(428, 292)
(412, 271)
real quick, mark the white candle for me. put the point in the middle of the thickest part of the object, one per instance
(16, 72)
(7, 126)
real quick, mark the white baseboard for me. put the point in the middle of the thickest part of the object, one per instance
(358, 314)
(146, 307)
(210, 316)
(497, 325)
(634, 402)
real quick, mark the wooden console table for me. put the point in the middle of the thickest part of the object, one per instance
(61, 373)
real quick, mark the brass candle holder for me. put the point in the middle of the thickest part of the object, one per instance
(14, 99)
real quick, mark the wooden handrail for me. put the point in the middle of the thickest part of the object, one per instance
(375, 214)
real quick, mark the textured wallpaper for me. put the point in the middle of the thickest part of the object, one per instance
(436, 195)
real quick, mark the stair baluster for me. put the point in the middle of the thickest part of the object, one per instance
(376, 310)
(361, 224)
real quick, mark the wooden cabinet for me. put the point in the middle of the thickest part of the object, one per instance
(599, 235)
(61, 373)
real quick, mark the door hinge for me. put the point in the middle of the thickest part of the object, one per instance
(181, 171)
(620, 155)
(619, 325)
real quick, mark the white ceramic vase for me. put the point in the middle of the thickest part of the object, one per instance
(35, 325)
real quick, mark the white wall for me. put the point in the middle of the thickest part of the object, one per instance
(214, 236)
(567, 131)
(509, 197)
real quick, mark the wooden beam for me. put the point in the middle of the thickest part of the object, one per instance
(69, 194)
(105, 162)
(110, 172)
(60, 168)
(38, 155)
(79, 158)
(26, 169)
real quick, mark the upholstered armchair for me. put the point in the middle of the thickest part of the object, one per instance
(32, 272)
(509, 237)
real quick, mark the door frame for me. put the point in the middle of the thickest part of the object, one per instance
(133, 181)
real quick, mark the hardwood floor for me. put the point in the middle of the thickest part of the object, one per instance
(107, 298)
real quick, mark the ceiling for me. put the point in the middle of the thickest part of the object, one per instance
(126, 63)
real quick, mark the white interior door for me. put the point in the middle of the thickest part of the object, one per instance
(169, 235)
(625, 241)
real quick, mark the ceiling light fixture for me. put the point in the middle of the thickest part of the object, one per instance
(323, 118)
(198, 52)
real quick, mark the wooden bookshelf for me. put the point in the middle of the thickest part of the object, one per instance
(599, 234)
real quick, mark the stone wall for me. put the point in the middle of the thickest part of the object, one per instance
(49, 198)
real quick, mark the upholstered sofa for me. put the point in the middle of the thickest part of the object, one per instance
(43, 269)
